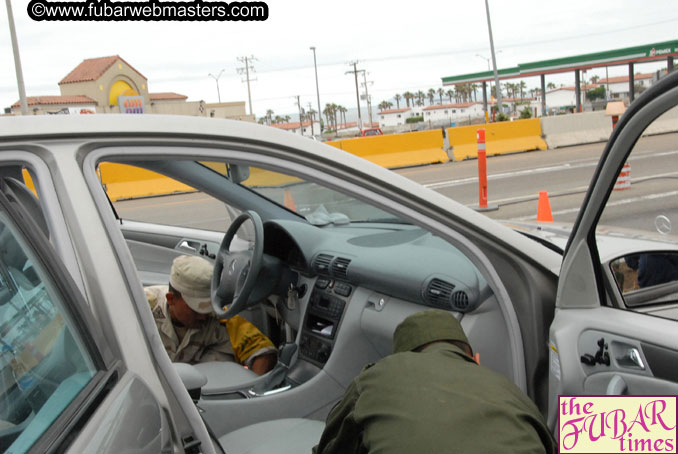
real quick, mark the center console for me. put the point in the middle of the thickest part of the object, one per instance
(323, 316)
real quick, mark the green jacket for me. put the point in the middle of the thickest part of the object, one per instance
(435, 401)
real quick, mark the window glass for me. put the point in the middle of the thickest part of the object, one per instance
(43, 362)
(638, 230)
(142, 195)
(319, 204)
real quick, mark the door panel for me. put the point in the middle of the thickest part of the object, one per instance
(596, 348)
(154, 246)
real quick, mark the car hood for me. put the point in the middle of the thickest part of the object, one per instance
(613, 242)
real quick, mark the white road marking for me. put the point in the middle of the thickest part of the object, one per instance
(537, 170)
(610, 204)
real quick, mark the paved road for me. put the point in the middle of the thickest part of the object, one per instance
(514, 183)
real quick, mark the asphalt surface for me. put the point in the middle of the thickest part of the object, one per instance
(514, 182)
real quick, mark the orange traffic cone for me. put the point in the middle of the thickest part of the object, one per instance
(288, 201)
(544, 208)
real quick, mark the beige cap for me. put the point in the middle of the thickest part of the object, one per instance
(192, 277)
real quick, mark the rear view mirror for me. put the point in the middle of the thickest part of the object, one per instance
(238, 173)
(647, 278)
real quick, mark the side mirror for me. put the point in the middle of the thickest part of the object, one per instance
(647, 278)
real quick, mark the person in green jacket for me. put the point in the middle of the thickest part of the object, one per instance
(430, 396)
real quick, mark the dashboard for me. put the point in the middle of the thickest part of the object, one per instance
(402, 261)
(399, 261)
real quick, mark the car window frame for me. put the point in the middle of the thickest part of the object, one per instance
(269, 156)
(49, 202)
(76, 414)
(582, 246)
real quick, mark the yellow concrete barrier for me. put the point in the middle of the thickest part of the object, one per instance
(397, 150)
(123, 181)
(501, 137)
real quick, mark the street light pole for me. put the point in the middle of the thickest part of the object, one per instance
(17, 61)
(216, 79)
(317, 90)
(494, 59)
(486, 59)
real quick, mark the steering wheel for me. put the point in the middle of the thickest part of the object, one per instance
(235, 273)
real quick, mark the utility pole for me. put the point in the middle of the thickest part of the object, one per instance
(317, 92)
(301, 119)
(310, 116)
(246, 70)
(357, 92)
(367, 95)
(216, 79)
(17, 61)
(494, 59)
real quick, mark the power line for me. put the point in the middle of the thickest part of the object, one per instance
(480, 48)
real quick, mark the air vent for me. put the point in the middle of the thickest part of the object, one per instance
(322, 263)
(340, 267)
(460, 300)
(438, 293)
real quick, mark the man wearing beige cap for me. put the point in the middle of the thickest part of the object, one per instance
(431, 396)
(189, 329)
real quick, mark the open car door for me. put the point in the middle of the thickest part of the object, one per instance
(603, 341)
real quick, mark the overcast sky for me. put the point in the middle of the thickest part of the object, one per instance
(402, 45)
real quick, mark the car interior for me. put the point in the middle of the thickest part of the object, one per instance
(337, 275)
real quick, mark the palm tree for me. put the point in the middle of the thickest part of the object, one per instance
(287, 118)
(595, 79)
(269, 116)
(385, 105)
(522, 86)
(550, 85)
(441, 92)
(421, 96)
(397, 98)
(431, 96)
(450, 94)
(330, 112)
(408, 96)
(342, 114)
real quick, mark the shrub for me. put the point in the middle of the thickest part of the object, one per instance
(414, 120)
(526, 113)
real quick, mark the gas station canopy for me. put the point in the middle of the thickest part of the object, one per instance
(636, 54)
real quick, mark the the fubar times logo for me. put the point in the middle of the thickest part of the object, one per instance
(617, 424)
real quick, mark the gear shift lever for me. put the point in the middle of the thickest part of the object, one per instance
(278, 374)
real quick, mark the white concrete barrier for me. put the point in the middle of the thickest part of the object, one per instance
(666, 123)
(576, 129)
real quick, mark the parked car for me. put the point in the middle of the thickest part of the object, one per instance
(339, 252)
(371, 132)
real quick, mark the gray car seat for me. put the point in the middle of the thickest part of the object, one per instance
(280, 436)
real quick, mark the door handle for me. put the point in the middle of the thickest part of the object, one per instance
(189, 246)
(631, 358)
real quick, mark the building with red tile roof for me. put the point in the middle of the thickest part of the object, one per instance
(111, 85)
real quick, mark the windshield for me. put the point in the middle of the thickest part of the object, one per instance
(317, 203)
